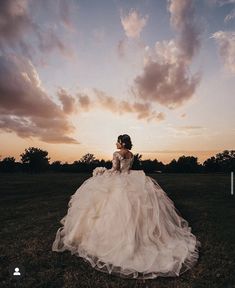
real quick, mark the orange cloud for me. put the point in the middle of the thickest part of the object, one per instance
(84, 101)
(142, 110)
(68, 102)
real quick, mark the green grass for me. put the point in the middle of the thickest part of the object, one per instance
(32, 206)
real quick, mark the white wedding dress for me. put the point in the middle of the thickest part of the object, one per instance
(123, 223)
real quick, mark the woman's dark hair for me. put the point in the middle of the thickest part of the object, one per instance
(126, 140)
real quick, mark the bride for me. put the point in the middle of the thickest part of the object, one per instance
(121, 222)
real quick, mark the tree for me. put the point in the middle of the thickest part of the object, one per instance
(172, 166)
(187, 164)
(184, 164)
(226, 160)
(137, 163)
(159, 166)
(7, 164)
(56, 165)
(211, 165)
(148, 166)
(223, 162)
(87, 162)
(87, 158)
(35, 159)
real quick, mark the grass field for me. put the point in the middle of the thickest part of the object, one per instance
(32, 206)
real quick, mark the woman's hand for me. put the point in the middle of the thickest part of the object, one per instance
(98, 171)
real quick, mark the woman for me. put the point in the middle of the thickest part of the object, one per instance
(123, 223)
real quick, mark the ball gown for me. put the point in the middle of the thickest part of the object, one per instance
(122, 222)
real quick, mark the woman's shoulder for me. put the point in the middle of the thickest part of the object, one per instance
(123, 154)
(117, 153)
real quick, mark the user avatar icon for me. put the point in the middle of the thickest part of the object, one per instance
(17, 272)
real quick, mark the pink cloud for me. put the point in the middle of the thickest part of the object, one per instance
(65, 12)
(226, 45)
(166, 78)
(183, 20)
(26, 108)
(121, 48)
(68, 101)
(133, 23)
(142, 110)
(84, 101)
(17, 29)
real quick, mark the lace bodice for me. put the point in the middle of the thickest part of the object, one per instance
(119, 163)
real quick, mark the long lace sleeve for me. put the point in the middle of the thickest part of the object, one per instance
(115, 163)
(115, 166)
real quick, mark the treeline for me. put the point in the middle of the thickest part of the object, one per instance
(36, 160)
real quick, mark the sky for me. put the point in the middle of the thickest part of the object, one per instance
(74, 75)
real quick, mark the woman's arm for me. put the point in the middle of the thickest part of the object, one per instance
(114, 169)
(115, 162)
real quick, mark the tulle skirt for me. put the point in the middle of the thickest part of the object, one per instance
(125, 224)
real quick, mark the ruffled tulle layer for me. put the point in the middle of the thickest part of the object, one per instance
(126, 225)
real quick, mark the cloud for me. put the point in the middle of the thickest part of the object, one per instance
(133, 23)
(48, 40)
(14, 21)
(166, 78)
(100, 99)
(131, 51)
(185, 127)
(230, 16)
(106, 101)
(121, 48)
(142, 110)
(188, 128)
(177, 151)
(223, 2)
(65, 11)
(184, 21)
(84, 101)
(18, 30)
(226, 46)
(68, 102)
(26, 108)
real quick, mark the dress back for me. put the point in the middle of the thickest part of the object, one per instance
(120, 163)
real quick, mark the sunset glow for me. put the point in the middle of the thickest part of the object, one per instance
(76, 74)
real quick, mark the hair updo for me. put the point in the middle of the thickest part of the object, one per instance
(125, 140)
